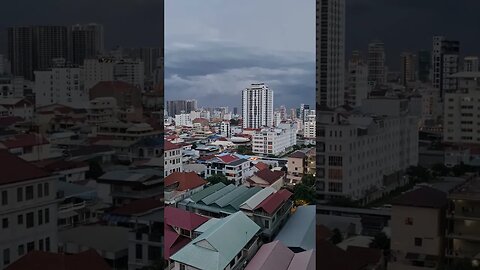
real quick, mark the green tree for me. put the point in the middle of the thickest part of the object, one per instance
(194, 146)
(419, 174)
(336, 237)
(440, 169)
(244, 150)
(380, 241)
(304, 193)
(308, 180)
(95, 170)
(218, 178)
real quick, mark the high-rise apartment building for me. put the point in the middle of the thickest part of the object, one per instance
(87, 41)
(175, 107)
(424, 65)
(330, 53)
(32, 48)
(357, 80)
(445, 62)
(377, 74)
(470, 64)
(362, 153)
(408, 71)
(62, 85)
(257, 106)
(461, 110)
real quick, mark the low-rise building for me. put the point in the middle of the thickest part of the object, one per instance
(28, 209)
(231, 166)
(172, 158)
(463, 215)
(418, 229)
(210, 251)
(299, 164)
(274, 141)
(180, 185)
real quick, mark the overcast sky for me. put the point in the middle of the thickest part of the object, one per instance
(215, 48)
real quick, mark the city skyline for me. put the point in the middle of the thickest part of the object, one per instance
(118, 31)
(217, 65)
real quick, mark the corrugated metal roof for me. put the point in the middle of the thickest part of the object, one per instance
(299, 231)
(206, 192)
(225, 200)
(220, 193)
(211, 251)
(256, 199)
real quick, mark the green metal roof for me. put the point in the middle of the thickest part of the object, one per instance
(211, 251)
(206, 192)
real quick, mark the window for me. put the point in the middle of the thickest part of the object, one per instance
(40, 244)
(408, 221)
(40, 217)
(47, 244)
(47, 215)
(30, 246)
(19, 194)
(29, 220)
(267, 224)
(21, 250)
(418, 241)
(154, 253)
(20, 219)
(46, 189)
(4, 197)
(6, 256)
(39, 190)
(138, 252)
(182, 267)
(29, 193)
(5, 223)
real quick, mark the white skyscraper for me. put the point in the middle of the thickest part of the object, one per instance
(377, 74)
(445, 62)
(330, 52)
(257, 106)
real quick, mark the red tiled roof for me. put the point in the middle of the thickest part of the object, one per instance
(363, 257)
(270, 176)
(15, 169)
(274, 201)
(173, 241)
(227, 158)
(323, 233)
(261, 166)
(183, 219)
(138, 207)
(332, 257)
(171, 146)
(185, 180)
(60, 165)
(297, 154)
(40, 260)
(24, 140)
(9, 120)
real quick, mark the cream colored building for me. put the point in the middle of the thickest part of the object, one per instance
(417, 228)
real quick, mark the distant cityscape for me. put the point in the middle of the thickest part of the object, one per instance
(81, 147)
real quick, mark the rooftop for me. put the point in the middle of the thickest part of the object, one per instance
(15, 169)
(211, 251)
(40, 260)
(299, 231)
(184, 181)
(424, 197)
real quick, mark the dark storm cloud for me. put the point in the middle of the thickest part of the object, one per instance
(409, 25)
(127, 22)
(215, 74)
